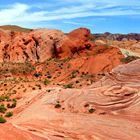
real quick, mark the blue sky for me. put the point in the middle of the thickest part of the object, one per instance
(116, 16)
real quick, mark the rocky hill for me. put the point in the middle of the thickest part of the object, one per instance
(118, 37)
(15, 28)
(42, 44)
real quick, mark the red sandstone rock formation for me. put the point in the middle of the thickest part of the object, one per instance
(40, 44)
(36, 46)
(76, 40)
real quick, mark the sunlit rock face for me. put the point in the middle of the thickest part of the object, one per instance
(40, 44)
(36, 46)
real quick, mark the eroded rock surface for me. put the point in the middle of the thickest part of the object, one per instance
(40, 44)
(108, 109)
(36, 46)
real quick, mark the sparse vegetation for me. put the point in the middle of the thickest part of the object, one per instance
(37, 75)
(2, 98)
(13, 105)
(58, 105)
(2, 108)
(2, 119)
(46, 82)
(68, 86)
(48, 90)
(74, 74)
(129, 59)
(77, 82)
(49, 76)
(16, 68)
(9, 114)
(91, 110)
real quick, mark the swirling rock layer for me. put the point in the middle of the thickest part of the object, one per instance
(108, 109)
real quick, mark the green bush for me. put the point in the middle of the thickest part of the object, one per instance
(2, 108)
(13, 105)
(2, 98)
(9, 114)
(2, 119)
(91, 110)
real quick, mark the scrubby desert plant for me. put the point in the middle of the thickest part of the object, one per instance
(37, 75)
(129, 59)
(13, 105)
(2, 98)
(49, 76)
(9, 114)
(2, 108)
(58, 105)
(2, 119)
(91, 110)
(46, 82)
(68, 86)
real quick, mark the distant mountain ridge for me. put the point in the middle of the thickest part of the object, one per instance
(119, 37)
(101, 36)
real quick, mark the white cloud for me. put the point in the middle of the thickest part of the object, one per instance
(14, 12)
(23, 13)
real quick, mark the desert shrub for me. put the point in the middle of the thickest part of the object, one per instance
(58, 105)
(49, 76)
(87, 75)
(48, 90)
(46, 82)
(14, 92)
(68, 86)
(62, 60)
(77, 82)
(39, 86)
(9, 114)
(2, 98)
(13, 105)
(129, 59)
(73, 76)
(2, 108)
(37, 75)
(91, 110)
(2, 119)
(7, 98)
